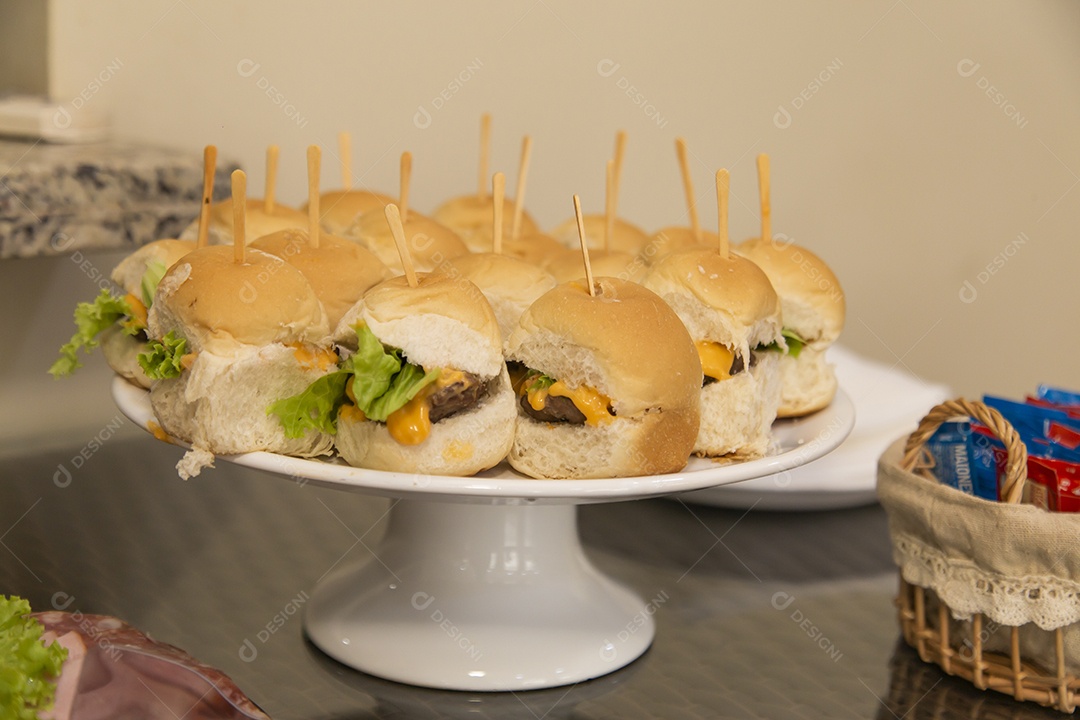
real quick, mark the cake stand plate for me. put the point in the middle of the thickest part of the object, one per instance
(481, 583)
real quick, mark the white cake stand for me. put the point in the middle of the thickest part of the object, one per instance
(481, 582)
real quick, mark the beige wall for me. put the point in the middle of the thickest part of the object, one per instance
(889, 157)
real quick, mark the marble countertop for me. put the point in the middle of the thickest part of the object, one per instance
(55, 199)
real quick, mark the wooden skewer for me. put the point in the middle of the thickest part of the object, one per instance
(763, 193)
(723, 186)
(271, 178)
(209, 167)
(345, 150)
(485, 153)
(498, 193)
(609, 206)
(584, 245)
(620, 152)
(239, 213)
(519, 198)
(314, 167)
(406, 179)
(394, 218)
(688, 188)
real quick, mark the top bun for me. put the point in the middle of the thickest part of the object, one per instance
(617, 264)
(257, 222)
(430, 243)
(338, 209)
(536, 248)
(510, 284)
(598, 341)
(725, 300)
(626, 237)
(443, 322)
(217, 303)
(340, 271)
(813, 301)
(670, 239)
(129, 273)
(472, 218)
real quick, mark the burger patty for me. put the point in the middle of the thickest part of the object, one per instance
(456, 397)
(737, 366)
(556, 410)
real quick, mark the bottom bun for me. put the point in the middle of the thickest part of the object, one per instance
(462, 444)
(649, 444)
(220, 405)
(809, 383)
(121, 351)
(737, 414)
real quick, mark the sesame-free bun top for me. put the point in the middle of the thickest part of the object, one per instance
(128, 274)
(443, 322)
(617, 264)
(338, 209)
(625, 342)
(674, 238)
(626, 236)
(339, 270)
(257, 221)
(510, 284)
(472, 218)
(813, 301)
(537, 248)
(217, 303)
(726, 300)
(430, 243)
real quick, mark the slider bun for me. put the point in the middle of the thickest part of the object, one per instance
(121, 352)
(462, 444)
(444, 322)
(536, 248)
(809, 383)
(338, 209)
(813, 301)
(217, 303)
(725, 300)
(737, 413)
(128, 274)
(340, 271)
(510, 284)
(630, 346)
(671, 239)
(430, 243)
(472, 218)
(257, 222)
(626, 236)
(219, 405)
(622, 265)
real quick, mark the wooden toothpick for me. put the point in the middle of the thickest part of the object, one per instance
(519, 198)
(314, 167)
(498, 193)
(723, 186)
(209, 167)
(345, 151)
(239, 213)
(485, 153)
(688, 188)
(763, 193)
(271, 178)
(609, 205)
(403, 190)
(584, 245)
(620, 152)
(393, 217)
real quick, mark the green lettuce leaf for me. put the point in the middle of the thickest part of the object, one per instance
(150, 280)
(91, 319)
(28, 669)
(381, 382)
(162, 358)
(795, 343)
(536, 380)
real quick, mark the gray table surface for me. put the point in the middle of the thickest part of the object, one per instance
(767, 615)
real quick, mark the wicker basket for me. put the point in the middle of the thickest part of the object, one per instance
(957, 641)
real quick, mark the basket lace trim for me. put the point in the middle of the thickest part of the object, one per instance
(1048, 601)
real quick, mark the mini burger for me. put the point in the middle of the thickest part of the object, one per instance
(228, 339)
(510, 284)
(430, 243)
(608, 385)
(733, 315)
(422, 387)
(260, 221)
(814, 310)
(610, 263)
(470, 217)
(118, 322)
(626, 237)
(340, 271)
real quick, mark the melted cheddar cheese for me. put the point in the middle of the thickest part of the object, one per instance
(411, 423)
(590, 402)
(350, 412)
(314, 358)
(716, 359)
(138, 310)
